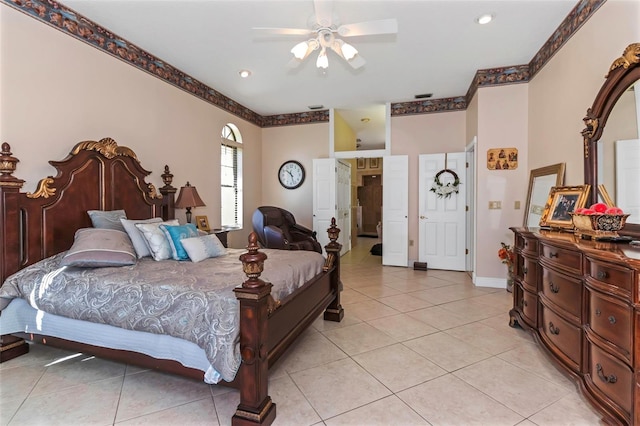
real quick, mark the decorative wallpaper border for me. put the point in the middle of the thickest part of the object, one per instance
(68, 21)
(574, 20)
(429, 106)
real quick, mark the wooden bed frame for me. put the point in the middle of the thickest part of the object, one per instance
(100, 175)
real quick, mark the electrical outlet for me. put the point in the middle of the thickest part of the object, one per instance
(516, 205)
(495, 205)
(410, 243)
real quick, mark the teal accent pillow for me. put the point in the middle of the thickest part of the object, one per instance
(201, 248)
(175, 234)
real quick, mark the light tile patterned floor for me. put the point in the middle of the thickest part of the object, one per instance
(415, 348)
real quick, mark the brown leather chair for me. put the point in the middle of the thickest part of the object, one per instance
(277, 228)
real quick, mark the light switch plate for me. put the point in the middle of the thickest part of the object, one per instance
(495, 205)
(516, 205)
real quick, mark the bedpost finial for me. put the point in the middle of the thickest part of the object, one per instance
(333, 231)
(167, 177)
(253, 263)
(7, 167)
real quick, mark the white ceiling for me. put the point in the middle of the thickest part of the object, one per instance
(438, 47)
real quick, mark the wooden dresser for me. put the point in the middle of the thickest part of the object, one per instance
(581, 300)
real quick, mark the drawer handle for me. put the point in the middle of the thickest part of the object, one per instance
(552, 255)
(554, 289)
(612, 319)
(526, 244)
(553, 329)
(525, 270)
(524, 303)
(611, 378)
(598, 312)
(602, 275)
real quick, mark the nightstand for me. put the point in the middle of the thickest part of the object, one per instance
(221, 234)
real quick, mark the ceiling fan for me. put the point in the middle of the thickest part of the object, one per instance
(324, 34)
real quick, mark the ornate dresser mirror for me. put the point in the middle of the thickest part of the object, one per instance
(612, 153)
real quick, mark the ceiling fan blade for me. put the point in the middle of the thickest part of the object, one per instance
(324, 12)
(357, 62)
(282, 31)
(383, 26)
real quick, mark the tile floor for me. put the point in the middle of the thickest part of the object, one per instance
(414, 348)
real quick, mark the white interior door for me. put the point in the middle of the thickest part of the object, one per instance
(324, 198)
(627, 195)
(441, 219)
(343, 204)
(395, 210)
(470, 194)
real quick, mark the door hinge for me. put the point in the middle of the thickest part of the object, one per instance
(466, 251)
(466, 208)
(467, 164)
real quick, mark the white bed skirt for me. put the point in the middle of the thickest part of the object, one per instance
(20, 317)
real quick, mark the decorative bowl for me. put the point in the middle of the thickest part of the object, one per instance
(599, 225)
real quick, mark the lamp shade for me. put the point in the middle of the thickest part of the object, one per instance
(188, 197)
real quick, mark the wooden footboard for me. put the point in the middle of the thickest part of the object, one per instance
(266, 333)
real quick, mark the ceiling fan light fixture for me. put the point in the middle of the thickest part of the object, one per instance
(300, 50)
(323, 61)
(348, 51)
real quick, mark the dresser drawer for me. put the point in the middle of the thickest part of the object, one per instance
(563, 290)
(611, 376)
(571, 261)
(562, 334)
(530, 246)
(530, 308)
(611, 274)
(611, 320)
(530, 274)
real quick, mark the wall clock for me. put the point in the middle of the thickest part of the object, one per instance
(291, 174)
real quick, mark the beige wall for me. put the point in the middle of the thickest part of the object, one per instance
(58, 91)
(502, 123)
(561, 92)
(302, 143)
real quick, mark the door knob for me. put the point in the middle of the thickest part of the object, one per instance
(423, 217)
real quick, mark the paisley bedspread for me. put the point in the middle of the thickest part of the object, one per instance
(191, 301)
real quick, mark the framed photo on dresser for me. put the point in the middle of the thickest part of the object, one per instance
(561, 203)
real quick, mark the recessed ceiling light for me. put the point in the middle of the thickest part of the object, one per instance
(423, 96)
(315, 106)
(365, 119)
(484, 19)
(244, 73)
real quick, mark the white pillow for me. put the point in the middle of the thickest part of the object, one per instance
(138, 241)
(200, 248)
(155, 238)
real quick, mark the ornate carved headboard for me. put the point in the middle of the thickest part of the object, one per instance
(95, 176)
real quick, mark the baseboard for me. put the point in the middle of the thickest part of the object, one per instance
(490, 282)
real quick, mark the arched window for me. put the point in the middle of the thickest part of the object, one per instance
(231, 177)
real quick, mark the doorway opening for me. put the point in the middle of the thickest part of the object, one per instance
(368, 211)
